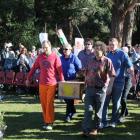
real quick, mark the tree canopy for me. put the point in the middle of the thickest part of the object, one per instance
(22, 20)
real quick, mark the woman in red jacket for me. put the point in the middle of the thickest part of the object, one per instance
(50, 68)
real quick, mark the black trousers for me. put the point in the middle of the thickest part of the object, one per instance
(70, 108)
(127, 86)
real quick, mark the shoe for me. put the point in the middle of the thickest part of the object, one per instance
(85, 134)
(121, 119)
(68, 119)
(72, 115)
(101, 126)
(126, 112)
(1, 97)
(93, 132)
(113, 125)
(104, 125)
(48, 127)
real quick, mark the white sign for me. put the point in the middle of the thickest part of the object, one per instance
(79, 45)
(43, 37)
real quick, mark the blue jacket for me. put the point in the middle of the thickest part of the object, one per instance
(70, 66)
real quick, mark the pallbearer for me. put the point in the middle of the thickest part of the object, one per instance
(98, 71)
(50, 66)
(71, 65)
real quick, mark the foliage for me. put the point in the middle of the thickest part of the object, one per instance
(17, 22)
(92, 17)
(2, 122)
(22, 20)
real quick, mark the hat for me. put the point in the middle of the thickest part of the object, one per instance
(43, 37)
(67, 46)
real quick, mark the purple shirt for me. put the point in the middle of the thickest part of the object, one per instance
(84, 57)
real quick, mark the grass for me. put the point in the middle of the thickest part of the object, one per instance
(24, 120)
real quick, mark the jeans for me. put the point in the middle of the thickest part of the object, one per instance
(94, 100)
(116, 100)
(126, 90)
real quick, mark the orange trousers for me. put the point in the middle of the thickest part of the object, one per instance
(47, 95)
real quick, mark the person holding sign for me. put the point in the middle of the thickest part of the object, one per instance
(50, 66)
(70, 65)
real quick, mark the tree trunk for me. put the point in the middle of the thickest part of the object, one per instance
(128, 28)
(70, 37)
(68, 29)
(120, 9)
(117, 24)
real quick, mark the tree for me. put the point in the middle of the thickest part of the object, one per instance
(136, 30)
(17, 22)
(120, 8)
(128, 28)
(92, 17)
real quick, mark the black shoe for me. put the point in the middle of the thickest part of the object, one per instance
(126, 113)
(84, 134)
(72, 115)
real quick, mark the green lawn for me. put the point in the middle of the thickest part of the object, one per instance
(24, 121)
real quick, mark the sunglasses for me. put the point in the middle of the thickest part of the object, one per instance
(87, 44)
(66, 49)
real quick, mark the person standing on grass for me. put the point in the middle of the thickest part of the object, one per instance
(50, 67)
(98, 72)
(121, 63)
(71, 65)
(85, 54)
(127, 86)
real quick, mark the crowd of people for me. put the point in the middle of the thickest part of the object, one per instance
(109, 73)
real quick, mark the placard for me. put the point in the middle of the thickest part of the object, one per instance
(79, 45)
(62, 37)
(43, 37)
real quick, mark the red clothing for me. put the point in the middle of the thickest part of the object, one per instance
(50, 69)
(47, 96)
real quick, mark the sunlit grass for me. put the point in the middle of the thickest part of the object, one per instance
(24, 120)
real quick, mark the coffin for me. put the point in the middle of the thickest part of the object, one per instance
(70, 89)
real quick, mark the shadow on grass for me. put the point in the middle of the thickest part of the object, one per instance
(28, 125)
(23, 125)
(17, 99)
